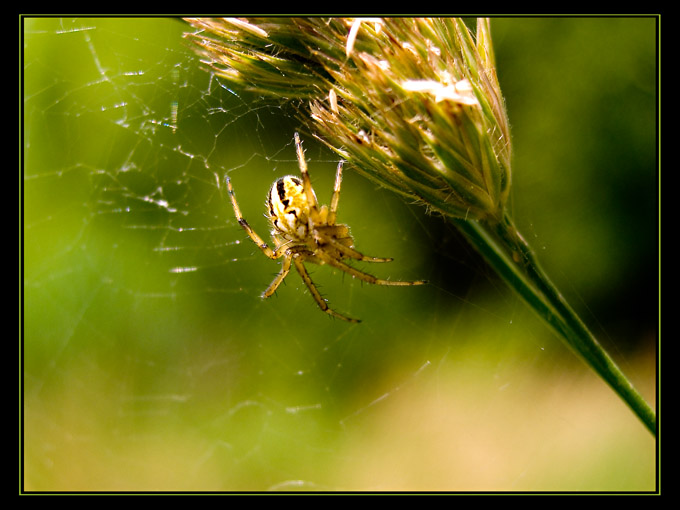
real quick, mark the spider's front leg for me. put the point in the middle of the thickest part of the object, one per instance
(333, 211)
(306, 181)
(244, 224)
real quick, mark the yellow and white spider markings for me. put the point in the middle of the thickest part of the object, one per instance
(303, 231)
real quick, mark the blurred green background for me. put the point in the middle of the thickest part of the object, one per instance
(151, 363)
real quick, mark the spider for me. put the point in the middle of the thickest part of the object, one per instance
(303, 231)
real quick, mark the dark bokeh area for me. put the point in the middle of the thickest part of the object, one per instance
(581, 96)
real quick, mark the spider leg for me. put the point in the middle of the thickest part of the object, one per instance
(299, 265)
(351, 252)
(285, 269)
(251, 233)
(306, 181)
(365, 276)
(332, 212)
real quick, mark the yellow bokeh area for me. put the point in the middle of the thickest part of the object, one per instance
(151, 363)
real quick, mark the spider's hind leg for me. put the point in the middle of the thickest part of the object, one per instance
(299, 265)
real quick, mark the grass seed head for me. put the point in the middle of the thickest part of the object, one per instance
(412, 103)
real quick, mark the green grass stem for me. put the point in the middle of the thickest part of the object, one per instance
(512, 258)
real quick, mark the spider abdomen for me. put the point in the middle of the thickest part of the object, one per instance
(288, 207)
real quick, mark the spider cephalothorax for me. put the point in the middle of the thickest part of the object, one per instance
(304, 231)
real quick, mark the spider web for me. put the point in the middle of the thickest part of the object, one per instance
(151, 363)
